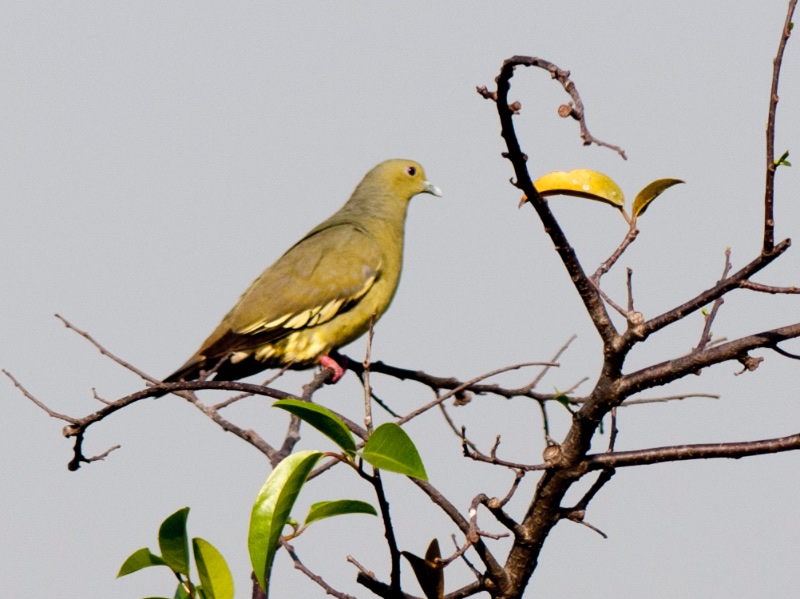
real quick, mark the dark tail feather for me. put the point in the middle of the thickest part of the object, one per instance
(188, 372)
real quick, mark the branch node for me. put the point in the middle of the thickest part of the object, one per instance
(552, 454)
(486, 94)
(749, 363)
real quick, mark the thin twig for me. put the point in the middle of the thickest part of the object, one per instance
(667, 398)
(438, 382)
(105, 352)
(709, 295)
(769, 186)
(791, 290)
(365, 378)
(40, 404)
(394, 552)
(329, 590)
(671, 370)
(612, 437)
(553, 363)
(240, 396)
(705, 336)
(493, 569)
(630, 237)
(462, 387)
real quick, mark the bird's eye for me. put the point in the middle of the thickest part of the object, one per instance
(411, 170)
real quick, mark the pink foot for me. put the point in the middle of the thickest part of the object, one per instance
(338, 371)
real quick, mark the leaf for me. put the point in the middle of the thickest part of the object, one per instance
(429, 572)
(783, 160)
(181, 592)
(327, 509)
(433, 553)
(215, 576)
(650, 192)
(322, 419)
(390, 448)
(174, 543)
(139, 560)
(563, 400)
(581, 183)
(271, 510)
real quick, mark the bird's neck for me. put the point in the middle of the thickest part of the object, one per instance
(379, 218)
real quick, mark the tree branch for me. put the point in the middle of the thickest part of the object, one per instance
(701, 451)
(737, 279)
(587, 291)
(671, 370)
(769, 185)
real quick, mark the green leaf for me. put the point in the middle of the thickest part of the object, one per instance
(563, 399)
(650, 192)
(327, 509)
(581, 183)
(174, 543)
(429, 572)
(322, 419)
(271, 510)
(215, 576)
(390, 448)
(139, 560)
(181, 593)
(783, 160)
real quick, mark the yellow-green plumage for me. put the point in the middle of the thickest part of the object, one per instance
(323, 292)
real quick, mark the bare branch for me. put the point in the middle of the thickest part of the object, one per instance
(587, 291)
(452, 383)
(494, 570)
(705, 336)
(666, 372)
(769, 185)
(394, 552)
(666, 398)
(633, 232)
(40, 404)
(77, 427)
(329, 590)
(791, 290)
(574, 110)
(709, 295)
(612, 437)
(701, 451)
(105, 352)
(464, 386)
(365, 378)
(470, 451)
(553, 363)
(266, 383)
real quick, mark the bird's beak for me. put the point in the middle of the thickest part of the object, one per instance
(431, 189)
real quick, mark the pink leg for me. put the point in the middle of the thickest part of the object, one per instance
(338, 371)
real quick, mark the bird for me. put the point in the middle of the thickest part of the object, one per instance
(324, 291)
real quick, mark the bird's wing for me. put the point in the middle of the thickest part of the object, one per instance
(324, 274)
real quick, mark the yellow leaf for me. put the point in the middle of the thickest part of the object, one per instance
(581, 183)
(650, 193)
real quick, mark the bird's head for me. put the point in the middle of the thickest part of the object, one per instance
(405, 178)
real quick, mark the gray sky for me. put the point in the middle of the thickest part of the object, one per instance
(155, 158)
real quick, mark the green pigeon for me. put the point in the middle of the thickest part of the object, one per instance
(324, 291)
